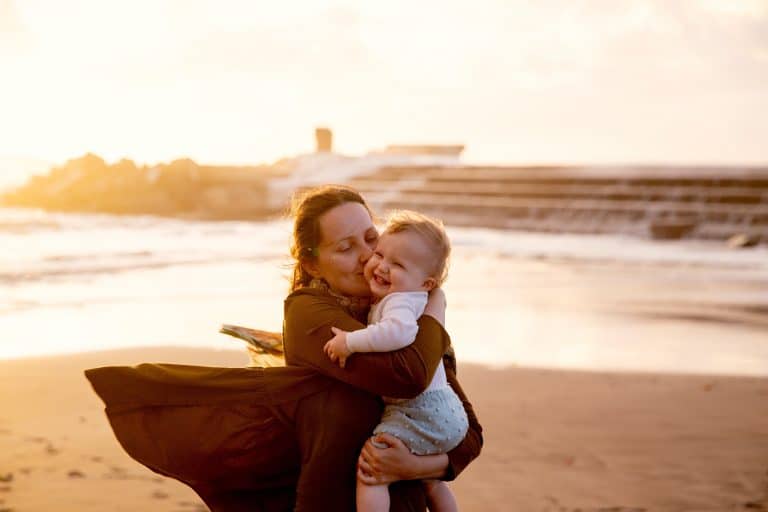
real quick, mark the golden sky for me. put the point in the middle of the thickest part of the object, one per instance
(516, 81)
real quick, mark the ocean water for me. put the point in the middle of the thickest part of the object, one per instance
(73, 283)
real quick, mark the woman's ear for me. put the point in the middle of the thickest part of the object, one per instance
(310, 267)
(430, 284)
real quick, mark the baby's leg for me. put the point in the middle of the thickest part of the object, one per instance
(372, 498)
(440, 498)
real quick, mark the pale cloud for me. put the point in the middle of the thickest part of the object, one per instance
(15, 39)
(515, 80)
(750, 8)
(9, 18)
(305, 48)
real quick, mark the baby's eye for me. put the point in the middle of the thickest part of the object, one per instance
(397, 264)
(344, 248)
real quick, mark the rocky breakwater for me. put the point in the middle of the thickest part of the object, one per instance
(181, 188)
(717, 203)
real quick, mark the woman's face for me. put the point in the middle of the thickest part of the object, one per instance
(347, 240)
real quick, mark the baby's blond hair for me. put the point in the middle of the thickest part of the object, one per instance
(430, 230)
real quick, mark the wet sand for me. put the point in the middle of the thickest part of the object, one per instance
(554, 440)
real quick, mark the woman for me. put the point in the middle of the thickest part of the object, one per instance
(284, 438)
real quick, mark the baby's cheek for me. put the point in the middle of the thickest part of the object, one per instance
(370, 265)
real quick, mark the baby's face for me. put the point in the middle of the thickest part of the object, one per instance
(401, 262)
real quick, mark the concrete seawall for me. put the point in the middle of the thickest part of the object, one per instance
(716, 203)
(706, 203)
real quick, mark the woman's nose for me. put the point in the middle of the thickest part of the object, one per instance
(365, 253)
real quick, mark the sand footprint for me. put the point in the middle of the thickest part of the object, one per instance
(191, 506)
(119, 473)
(619, 509)
(49, 449)
(560, 508)
(582, 461)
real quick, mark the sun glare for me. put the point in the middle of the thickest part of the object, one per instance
(241, 82)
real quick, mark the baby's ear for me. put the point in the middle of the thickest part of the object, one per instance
(429, 284)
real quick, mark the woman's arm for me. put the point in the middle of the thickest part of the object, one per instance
(377, 466)
(470, 446)
(436, 305)
(401, 374)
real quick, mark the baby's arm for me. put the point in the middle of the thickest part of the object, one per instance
(396, 329)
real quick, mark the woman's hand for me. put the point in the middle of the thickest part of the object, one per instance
(436, 304)
(377, 466)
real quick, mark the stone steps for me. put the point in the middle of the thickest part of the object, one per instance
(542, 207)
(663, 176)
(718, 203)
(731, 195)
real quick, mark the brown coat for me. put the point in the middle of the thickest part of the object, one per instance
(276, 438)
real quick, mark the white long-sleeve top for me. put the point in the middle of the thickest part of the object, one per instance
(392, 325)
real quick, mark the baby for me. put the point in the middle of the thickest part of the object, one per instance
(410, 259)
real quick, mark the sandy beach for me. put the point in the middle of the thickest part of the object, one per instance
(554, 440)
(597, 167)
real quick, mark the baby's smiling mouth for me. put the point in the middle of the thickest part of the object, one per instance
(380, 280)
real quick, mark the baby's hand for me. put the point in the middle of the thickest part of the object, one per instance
(337, 348)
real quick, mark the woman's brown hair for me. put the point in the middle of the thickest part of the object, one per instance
(306, 209)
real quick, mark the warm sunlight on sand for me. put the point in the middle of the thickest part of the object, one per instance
(601, 169)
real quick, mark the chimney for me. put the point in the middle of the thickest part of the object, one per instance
(324, 138)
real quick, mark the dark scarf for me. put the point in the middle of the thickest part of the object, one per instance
(357, 306)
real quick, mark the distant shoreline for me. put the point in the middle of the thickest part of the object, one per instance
(666, 202)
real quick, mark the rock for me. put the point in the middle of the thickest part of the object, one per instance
(75, 474)
(670, 229)
(740, 240)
